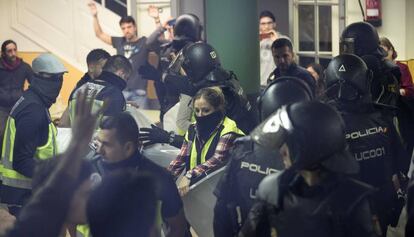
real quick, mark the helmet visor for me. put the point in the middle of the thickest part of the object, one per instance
(342, 91)
(347, 45)
(273, 132)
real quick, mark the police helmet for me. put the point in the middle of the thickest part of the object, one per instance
(314, 133)
(199, 59)
(187, 28)
(361, 38)
(348, 79)
(285, 90)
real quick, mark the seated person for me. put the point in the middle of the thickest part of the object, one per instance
(207, 141)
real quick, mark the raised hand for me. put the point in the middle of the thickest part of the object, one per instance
(153, 11)
(84, 122)
(92, 8)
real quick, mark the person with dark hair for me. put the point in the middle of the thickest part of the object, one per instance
(95, 61)
(405, 112)
(52, 203)
(29, 133)
(13, 74)
(284, 57)
(107, 86)
(373, 140)
(134, 48)
(187, 29)
(406, 83)
(77, 205)
(267, 34)
(250, 163)
(207, 141)
(316, 194)
(118, 149)
(198, 66)
(135, 211)
(316, 70)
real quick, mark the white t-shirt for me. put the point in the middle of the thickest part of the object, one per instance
(267, 65)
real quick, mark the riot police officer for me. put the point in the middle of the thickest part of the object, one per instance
(372, 139)
(202, 68)
(201, 64)
(250, 163)
(362, 39)
(315, 196)
(187, 29)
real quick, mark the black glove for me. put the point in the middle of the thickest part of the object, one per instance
(149, 72)
(153, 135)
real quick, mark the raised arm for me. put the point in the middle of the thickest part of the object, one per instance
(96, 26)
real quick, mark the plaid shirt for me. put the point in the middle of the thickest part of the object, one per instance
(220, 156)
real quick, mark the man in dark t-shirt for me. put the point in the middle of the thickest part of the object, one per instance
(129, 45)
(284, 57)
(137, 53)
(118, 149)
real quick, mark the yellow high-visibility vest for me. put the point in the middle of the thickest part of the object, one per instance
(228, 126)
(9, 176)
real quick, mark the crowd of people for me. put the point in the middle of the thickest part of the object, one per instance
(321, 152)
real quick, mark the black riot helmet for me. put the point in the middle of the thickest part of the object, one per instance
(187, 28)
(314, 133)
(282, 91)
(348, 79)
(199, 59)
(361, 38)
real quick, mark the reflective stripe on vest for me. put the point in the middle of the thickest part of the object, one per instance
(158, 216)
(229, 126)
(82, 231)
(12, 178)
(91, 89)
(3, 151)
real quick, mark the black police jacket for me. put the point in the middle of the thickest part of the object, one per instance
(236, 190)
(287, 206)
(238, 108)
(294, 70)
(376, 145)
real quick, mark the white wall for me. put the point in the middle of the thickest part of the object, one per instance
(396, 15)
(409, 29)
(65, 27)
(60, 26)
(6, 32)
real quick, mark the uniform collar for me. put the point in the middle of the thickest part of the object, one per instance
(131, 162)
(113, 79)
